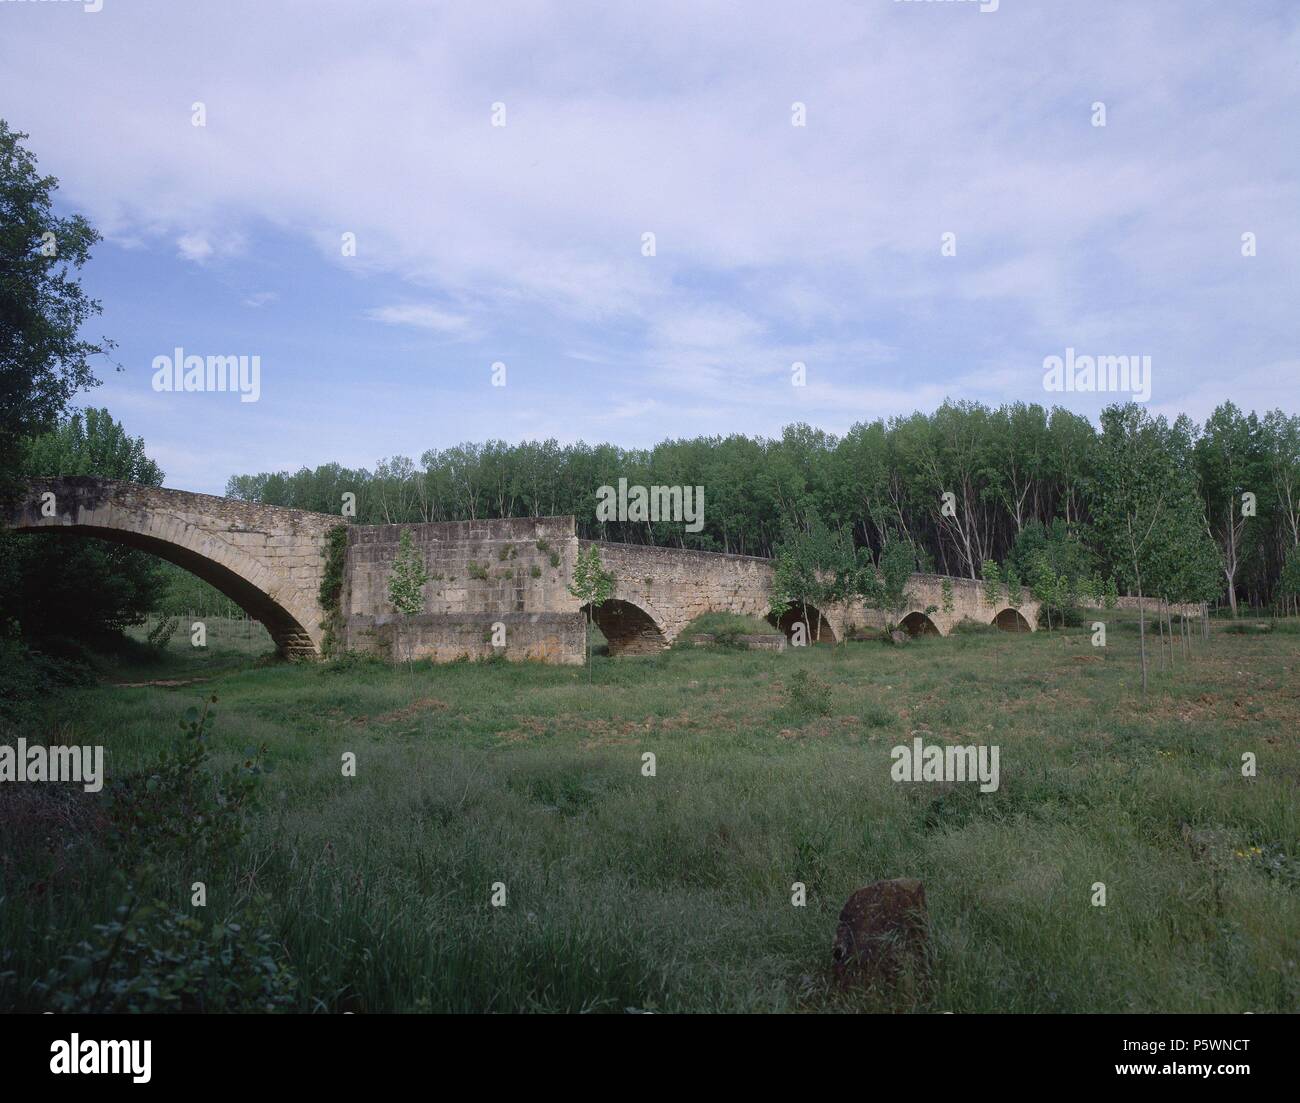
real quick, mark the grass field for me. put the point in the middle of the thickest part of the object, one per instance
(673, 892)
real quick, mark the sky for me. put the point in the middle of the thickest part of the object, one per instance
(775, 244)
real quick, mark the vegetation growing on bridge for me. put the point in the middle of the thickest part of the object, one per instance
(335, 553)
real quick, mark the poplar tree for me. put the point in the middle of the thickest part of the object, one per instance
(406, 581)
(593, 586)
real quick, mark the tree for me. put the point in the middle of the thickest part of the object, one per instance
(1045, 584)
(1289, 583)
(44, 360)
(897, 563)
(816, 566)
(1230, 464)
(593, 586)
(406, 581)
(1142, 494)
(1057, 564)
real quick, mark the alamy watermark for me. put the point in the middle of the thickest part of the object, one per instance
(1093, 374)
(41, 763)
(945, 763)
(656, 503)
(179, 372)
(116, 1058)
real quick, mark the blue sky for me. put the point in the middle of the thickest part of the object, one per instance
(774, 243)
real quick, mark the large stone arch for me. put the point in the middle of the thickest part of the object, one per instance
(629, 628)
(1011, 620)
(139, 517)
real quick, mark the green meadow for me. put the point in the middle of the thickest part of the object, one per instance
(671, 893)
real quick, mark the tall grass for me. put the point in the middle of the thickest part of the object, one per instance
(673, 892)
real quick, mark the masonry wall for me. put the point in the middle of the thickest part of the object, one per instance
(675, 586)
(512, 571)
(452, 637)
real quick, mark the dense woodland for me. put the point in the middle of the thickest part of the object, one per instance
(1011, 470)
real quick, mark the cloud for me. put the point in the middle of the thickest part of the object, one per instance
(194, 247)
(775, 243)
(200, 246)
(420, 317)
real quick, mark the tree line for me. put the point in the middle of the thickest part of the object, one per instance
(964, 486)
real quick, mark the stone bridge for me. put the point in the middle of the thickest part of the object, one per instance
(659, 591)
(489, 581)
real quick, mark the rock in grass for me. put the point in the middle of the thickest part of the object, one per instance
(882, 937)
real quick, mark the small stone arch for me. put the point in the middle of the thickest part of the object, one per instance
(630, 629)
(820, 629)
(917, 623)
(1011, 620)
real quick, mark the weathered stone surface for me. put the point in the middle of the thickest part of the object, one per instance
(246, 551)
(750, 642)
(898, 637)
(882, 936)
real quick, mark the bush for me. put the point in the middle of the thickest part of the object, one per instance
(177, 806)
(807, 695)
(968, 627)
(151, 959)
(1246, 628)
(27, 675)
(349, 662)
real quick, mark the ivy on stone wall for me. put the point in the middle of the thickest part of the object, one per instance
(335, 554)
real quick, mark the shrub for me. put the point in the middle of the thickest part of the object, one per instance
(807, 695)
(968, 627)
(152, 959)
(349, 662)
(27, 675)
(177, 806)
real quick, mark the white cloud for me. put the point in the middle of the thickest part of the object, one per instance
(420, 317)
(774, 243)
(195, 247)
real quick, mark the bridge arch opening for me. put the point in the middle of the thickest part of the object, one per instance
(629, 629)
(817, 627)
(1011, 620)
(917, 623)
(286, 629)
